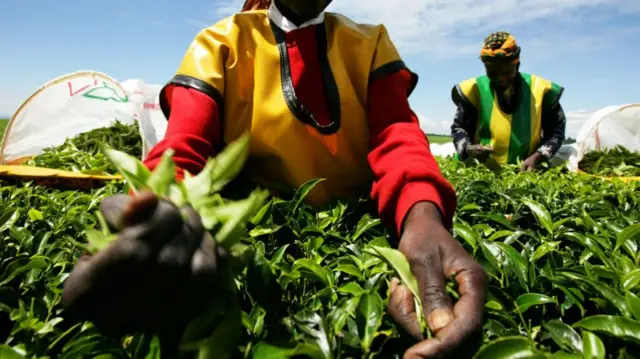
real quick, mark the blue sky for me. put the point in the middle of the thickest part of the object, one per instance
(591, 47)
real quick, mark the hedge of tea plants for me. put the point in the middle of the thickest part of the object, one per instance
(561, 250)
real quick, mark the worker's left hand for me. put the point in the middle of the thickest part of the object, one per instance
(531, 163)
(435, 255)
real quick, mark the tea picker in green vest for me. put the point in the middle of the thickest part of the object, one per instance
(507, 115)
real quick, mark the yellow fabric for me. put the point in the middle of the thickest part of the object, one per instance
(53, 177)
(239, 57)
(470, 90)
(609, 178)
(539, 88)
(501, 123)
(41, 172)
(500, 133)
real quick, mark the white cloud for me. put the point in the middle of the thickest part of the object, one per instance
(444, 28)
(575, 120)
(197, 24)
(227, 7)
(429, 125)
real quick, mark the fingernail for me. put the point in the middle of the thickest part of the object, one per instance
(439, 319)
(394, 284)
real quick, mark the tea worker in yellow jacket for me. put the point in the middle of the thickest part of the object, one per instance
(322, 97)
(507, 114)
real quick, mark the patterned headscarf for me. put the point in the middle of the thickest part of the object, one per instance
(256, 5)
(502, 45)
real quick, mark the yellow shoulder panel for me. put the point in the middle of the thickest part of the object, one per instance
(468, 89)
(539, 87)
(386, 51)
(376, 36)
(369, 47)
(215, 48)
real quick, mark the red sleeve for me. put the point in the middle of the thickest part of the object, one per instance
(405, 170)
(193, 132)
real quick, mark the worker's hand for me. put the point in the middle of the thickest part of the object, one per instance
(479, 152)
(153, 278)
(435, 255)
(531, 163)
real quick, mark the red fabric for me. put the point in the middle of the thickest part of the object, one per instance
(193, 131)
(405, 170)
(306, 74)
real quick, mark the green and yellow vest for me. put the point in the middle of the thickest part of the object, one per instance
(512, 136)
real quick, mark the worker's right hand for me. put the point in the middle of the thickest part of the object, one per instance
(156, 276)
(479, 152)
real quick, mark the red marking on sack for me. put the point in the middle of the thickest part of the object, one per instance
(73, 93)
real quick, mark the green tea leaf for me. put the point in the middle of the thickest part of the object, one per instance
(315, 329)
(303, 192)
(351, 288)
(312, 270)
(631, 280)
(528, 300)
(614, 326)
(369, 318)
(509, 348)
(8, 218)
(592, 346)
(565, 336)
(349, 269)
(230, 162)
(267, 351)
(18, 266)
(544, 249)
(634, 304)
(233, 217)
(607, 293)
(261, 280)
(518, 264)
(400, 265)
(222, 343)
(163, 175)
(340, 314)
(467, 234)
(591, 245)
(178, 194)
(198, 189)
(542, 214)
(98, 240)
(154, 349)
(133, 171)
(35, 215)
(627, 234)
(6, 352)
(364, 225)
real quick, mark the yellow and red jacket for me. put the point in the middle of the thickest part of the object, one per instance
(328, 100)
